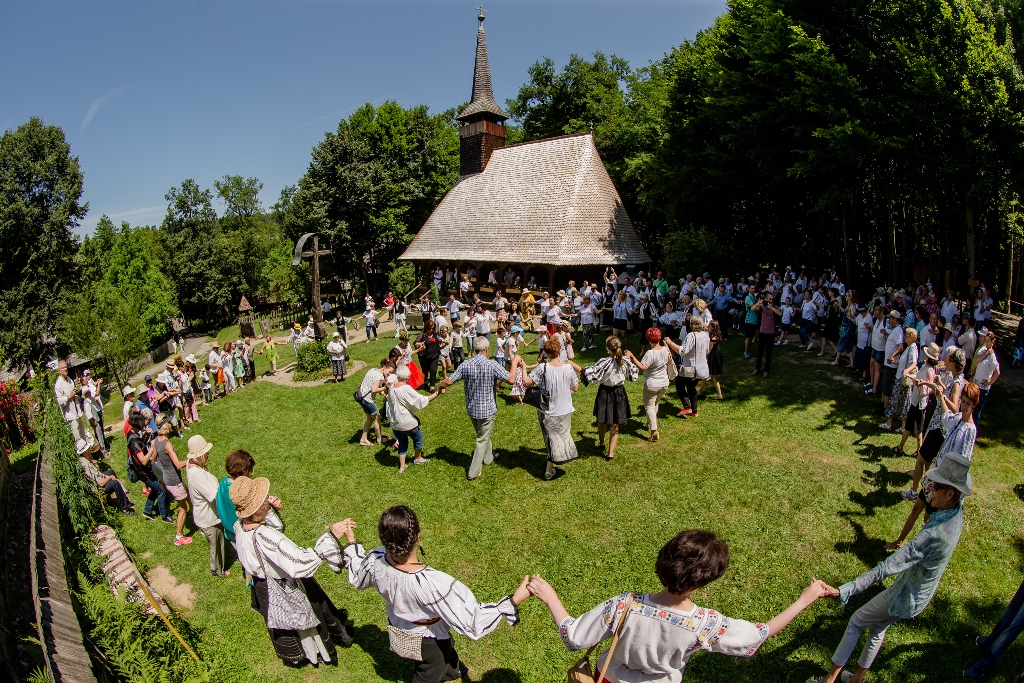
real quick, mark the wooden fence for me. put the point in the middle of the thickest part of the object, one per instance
(59, 631)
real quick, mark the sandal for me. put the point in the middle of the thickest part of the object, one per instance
(898, 450)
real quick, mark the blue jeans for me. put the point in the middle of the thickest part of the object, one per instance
(403, 440)
(369, 407)
(373, 329)
(157, 495)
(982, 397)
(1006, 631)
(805, 336)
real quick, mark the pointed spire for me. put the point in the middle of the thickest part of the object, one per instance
(483, 95)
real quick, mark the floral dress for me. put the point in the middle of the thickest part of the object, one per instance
(239, 368)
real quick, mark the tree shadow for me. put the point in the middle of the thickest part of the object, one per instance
(388, 666)
(529, 460)
(870, 551)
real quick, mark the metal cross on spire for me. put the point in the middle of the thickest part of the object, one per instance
(480, 12)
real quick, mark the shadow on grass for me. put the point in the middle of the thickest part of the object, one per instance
(943, 623)
(388, 666)
(527, 459)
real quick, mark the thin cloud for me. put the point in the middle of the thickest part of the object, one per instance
(99, 103)
(321, 118)
(144, 211)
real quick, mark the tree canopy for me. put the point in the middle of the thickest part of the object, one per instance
(40, 206)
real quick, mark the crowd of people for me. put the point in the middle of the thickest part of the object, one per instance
(930, 359)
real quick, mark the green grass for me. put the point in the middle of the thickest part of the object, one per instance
(793, 473)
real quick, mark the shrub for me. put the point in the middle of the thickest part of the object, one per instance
(312, 358)
(14, 417)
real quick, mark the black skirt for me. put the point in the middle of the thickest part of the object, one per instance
(287, 644)
(611, 405)
(915, 421)
(716, 361)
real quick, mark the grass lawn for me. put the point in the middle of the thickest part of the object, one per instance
(792, 472)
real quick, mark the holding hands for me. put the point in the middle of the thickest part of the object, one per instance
(346, 528)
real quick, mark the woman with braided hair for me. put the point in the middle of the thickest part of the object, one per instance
(424, 605)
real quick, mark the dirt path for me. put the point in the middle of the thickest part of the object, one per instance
(284, 375)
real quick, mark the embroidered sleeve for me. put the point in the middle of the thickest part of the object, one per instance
(736, 637)
(593, 627)
(290, 559)
(458, 607)
(359, 565)
(329, 550)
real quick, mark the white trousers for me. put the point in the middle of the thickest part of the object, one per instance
(875, 617)
(651, 399)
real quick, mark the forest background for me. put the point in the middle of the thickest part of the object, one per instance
(883, 139)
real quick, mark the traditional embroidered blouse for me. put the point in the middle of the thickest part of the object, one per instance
(657, 642)
(425, 596)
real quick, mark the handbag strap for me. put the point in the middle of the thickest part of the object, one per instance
(615, 640)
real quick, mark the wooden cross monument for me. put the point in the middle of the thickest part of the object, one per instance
(314, 276)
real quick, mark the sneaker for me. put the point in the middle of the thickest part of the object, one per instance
(130, 512)
(747, 355)
(870, 392)
(149, 515)
(421, 462)
(182, 540)
(785, 343)
(684, 412)
(909, 494)
(693, 414)
(885, 427)
(167, 518)
(778, 343)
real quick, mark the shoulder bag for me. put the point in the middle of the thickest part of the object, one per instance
(670, 367)
(288, 608)
(690, 371)
(538, 396)
(581, 671)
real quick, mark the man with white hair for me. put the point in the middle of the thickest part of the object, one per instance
(481, 374)
(70, 401)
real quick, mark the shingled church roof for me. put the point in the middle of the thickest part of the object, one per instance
(548, 202)
(483, 95)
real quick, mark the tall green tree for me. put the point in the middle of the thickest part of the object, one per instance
(40, 208)
(189, 232)
(372, 184)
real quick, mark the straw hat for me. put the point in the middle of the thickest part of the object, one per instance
(700, 305)
(127, 390)
(248, 494)
(216, 345)
(895, 314)
(198, 446)
(190, 359)
(932, 351)
(336, 334)
(297, 326)
(141, 390)
(953, 471)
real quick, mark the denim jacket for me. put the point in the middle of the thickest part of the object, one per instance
(920, 564)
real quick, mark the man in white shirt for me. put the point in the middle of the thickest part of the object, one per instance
(986, 369)
(983, 307)
(968, 341)
(894, 342)
(336, 347)
(70, 401)
(949, 307)
(931, 332)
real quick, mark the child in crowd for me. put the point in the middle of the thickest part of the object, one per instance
(500, 348)
(787, 322)
(455, 342)
(445, 343)
(207, 387)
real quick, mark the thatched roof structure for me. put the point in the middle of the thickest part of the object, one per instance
(549, 202)
(244, 305)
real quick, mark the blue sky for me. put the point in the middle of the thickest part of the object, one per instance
(150, 93)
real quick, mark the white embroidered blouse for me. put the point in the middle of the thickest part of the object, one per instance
(657, 642)
(427, 602)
